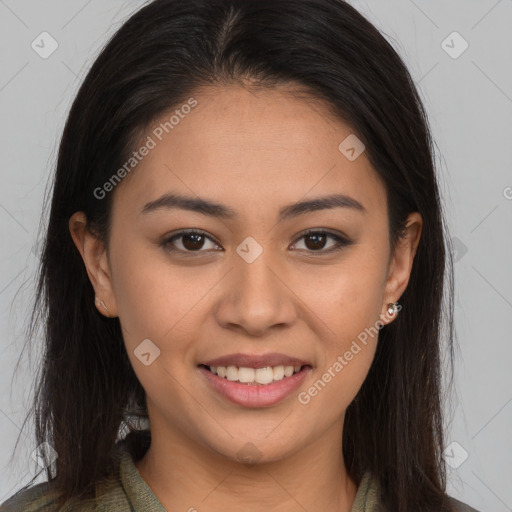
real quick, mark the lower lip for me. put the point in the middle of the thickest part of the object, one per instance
(256, 395)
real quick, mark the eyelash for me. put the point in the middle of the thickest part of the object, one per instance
(341, 241)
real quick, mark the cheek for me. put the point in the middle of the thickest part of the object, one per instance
(160, 301)
(348, 343)
(150, 296)
(350, 311)
(337, 384)
(138, 292)
(346, 297)
(155, 307)
(348, 301)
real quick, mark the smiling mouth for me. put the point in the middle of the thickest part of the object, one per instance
(255, 376)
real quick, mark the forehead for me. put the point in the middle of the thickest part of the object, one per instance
(248, 147)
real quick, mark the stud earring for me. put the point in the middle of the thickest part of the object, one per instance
(393, 308)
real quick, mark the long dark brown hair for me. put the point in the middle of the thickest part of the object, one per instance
(156, 61)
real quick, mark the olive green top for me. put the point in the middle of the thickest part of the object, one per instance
(128, 492)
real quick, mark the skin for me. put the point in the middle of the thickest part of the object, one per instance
(254, 151)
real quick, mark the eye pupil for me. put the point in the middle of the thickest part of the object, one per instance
(197, 241)
(318, 241)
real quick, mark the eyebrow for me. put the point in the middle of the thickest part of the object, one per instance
(218, 210)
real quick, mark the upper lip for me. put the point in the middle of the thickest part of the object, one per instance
(256, 361)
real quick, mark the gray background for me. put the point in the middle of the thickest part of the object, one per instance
(469, 101)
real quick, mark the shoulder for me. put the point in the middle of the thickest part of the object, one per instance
(33, 499)
(367, 498)
(458, 506)
(109, 497)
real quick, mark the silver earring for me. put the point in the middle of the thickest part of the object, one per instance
(101, 303)
(393, 308)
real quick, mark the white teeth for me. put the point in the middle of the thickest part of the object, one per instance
(246, 374)
(232, 373)
(278, 372)
(263, 375)
(255, 376)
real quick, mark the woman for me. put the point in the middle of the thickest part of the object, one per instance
(246, 248)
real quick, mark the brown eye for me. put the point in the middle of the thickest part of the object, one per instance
(188, 241)
(193, 241)
(315, 241)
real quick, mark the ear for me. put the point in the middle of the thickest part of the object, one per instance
(400, 265)
(95, 259)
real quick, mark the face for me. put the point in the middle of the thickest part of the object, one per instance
(265, 286)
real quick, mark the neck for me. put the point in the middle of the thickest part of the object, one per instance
(186, 476)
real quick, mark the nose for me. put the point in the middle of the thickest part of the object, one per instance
(256, 298)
